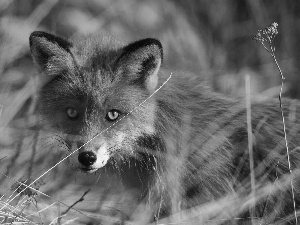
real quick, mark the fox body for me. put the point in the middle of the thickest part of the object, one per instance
(191, 142)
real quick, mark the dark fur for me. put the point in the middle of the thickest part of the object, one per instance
(198, 151)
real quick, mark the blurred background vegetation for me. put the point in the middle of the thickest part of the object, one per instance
(211, 38)
(204, 36)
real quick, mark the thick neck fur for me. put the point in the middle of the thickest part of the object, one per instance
(187, 111)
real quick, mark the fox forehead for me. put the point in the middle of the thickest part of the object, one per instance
(95, 57)
(96, 50)
(96, 88)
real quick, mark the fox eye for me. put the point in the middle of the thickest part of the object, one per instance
(112, 115)
(72, 113)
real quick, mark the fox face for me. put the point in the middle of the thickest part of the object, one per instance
(92, 94)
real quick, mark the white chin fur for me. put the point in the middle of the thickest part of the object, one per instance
(85, 170)
(102, 157)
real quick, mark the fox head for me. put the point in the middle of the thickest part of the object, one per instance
(93, 94)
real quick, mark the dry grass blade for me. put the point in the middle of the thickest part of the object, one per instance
(70, 207)
(267, 35)
(16, 102)
(250, 146)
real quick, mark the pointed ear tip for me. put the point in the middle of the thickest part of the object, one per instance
(154, 41)
(157, 43)
(150, 42)
(50, 38)
(35, 34)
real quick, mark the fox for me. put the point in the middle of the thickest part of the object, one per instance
(114, 103)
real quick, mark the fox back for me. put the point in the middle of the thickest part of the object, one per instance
(191, 144)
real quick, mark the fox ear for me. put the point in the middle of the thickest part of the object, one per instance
(51, 54)
(141, 61)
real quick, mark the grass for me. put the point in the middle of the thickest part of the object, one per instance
(267, 36)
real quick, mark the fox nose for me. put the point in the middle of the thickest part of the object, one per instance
(87, 158)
